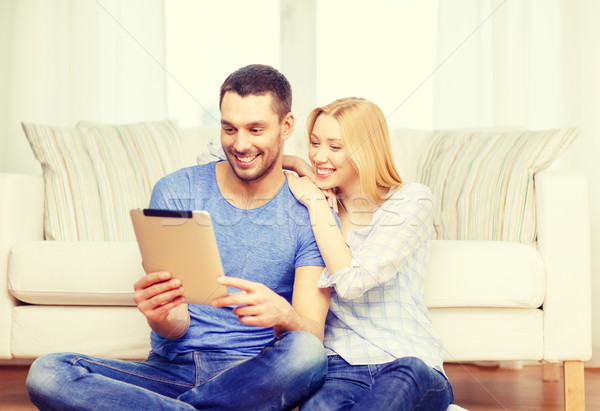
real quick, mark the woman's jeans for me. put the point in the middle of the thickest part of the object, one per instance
(404, 384)
(284, 373)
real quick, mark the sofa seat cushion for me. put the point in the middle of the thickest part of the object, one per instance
(484, 274)
(459, 273)
(74, 273)
(479, 334)
(113, 332)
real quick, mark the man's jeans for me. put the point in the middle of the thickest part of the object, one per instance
(404, 384)
(284, 373)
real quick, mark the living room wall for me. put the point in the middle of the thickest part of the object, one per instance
(468, 63)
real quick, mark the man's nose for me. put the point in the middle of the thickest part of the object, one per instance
(242, 142)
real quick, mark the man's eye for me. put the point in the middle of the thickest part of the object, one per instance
(228, 130)
(256, 130)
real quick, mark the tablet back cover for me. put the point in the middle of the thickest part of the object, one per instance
(185, 246)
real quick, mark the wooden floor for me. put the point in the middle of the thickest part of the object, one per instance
(475, 388)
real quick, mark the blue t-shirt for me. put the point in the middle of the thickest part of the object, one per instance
(263, 244)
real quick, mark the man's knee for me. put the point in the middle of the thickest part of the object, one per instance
(44, 374)
(306, 349)
(305, 355)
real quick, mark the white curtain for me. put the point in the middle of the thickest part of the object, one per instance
(66, 60)
(500, 63)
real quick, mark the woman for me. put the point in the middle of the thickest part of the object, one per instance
(383, 352)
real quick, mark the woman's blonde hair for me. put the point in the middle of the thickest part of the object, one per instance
(365, 137)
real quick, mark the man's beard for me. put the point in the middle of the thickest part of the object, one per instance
(268, 164)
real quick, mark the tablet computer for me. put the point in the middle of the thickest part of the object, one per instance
(182, 243)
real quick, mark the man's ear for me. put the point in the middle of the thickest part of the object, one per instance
(287, 126)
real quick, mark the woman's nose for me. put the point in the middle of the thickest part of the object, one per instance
(319, 156)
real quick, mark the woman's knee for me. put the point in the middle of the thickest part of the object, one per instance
(407, 365)
(410, 362)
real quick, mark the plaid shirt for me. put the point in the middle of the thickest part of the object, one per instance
(377, 312)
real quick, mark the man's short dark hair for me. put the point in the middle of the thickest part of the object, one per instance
(260, 79)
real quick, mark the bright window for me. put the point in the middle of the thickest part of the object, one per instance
(381, 50)
(206, 40)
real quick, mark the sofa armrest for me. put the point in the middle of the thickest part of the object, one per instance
(21, 218)
(563, 218)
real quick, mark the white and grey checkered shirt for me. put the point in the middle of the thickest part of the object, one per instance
(377, 312)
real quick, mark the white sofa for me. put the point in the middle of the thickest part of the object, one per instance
(489, 300)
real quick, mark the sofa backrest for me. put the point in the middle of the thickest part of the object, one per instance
(195, 141)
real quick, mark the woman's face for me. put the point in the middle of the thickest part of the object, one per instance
(329, 158)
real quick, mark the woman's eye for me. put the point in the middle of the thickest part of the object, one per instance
(314, 143)
(335, 148)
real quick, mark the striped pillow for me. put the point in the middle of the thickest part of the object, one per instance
(95, 175)
(483, 181)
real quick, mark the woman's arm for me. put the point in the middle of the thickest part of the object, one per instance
(333, 247)
(406, 223)
(298, 165)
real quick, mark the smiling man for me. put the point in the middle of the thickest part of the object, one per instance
(260, 347)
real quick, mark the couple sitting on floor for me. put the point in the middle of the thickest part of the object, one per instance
(325, 309)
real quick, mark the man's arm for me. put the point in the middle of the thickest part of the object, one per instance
(310, 302)
(160, 298)
(260, 306)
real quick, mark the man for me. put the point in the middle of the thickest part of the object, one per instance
(260, 346)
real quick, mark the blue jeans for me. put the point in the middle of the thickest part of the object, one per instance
(284, 373)
(404, 384)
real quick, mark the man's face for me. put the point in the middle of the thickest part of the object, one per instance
(251, 134)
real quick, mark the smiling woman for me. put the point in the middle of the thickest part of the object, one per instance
(353, 156)
(383, 350)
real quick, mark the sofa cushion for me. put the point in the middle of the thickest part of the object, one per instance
(478, 334)
(94, 175)
(483, 181)
(112, 332)
(76, 273)
(484, 274)
(459, 274)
